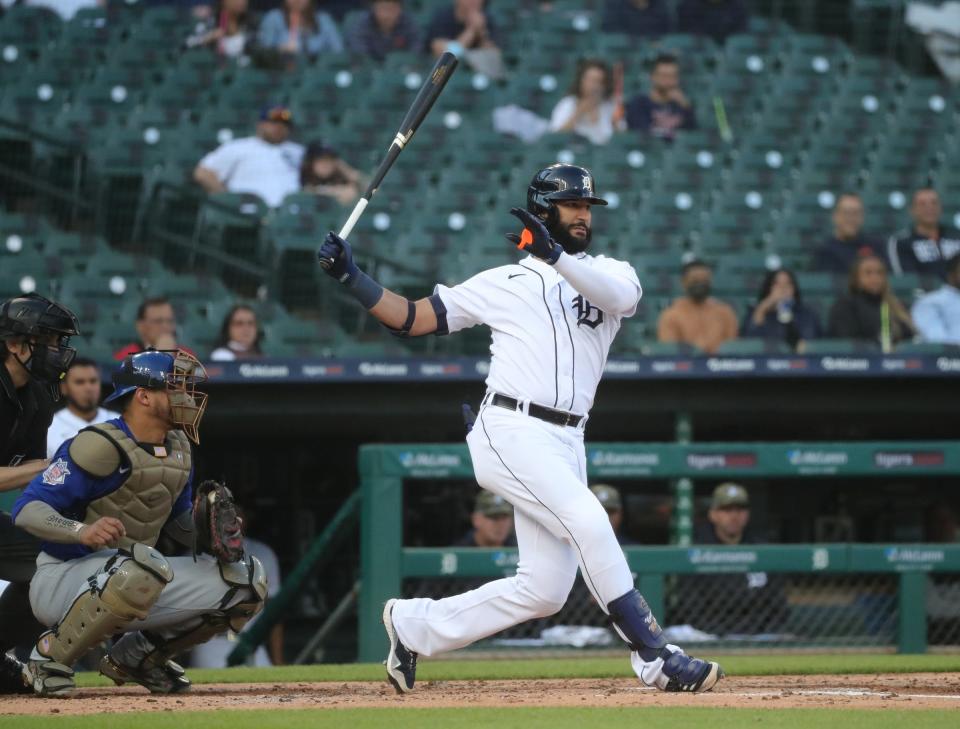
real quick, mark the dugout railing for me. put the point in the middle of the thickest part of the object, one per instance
(910, 573)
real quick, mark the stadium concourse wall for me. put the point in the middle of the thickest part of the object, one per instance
(385, 562)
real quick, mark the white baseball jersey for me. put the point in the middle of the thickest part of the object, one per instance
(549, 344)
(65, 425)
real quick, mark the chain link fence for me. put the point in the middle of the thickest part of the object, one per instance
(743, 610)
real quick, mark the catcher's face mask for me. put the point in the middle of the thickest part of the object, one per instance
(187, 404)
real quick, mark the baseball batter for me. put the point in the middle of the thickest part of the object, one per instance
(100, 507)
(553, 317)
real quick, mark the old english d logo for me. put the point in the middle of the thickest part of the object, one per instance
(587, 313)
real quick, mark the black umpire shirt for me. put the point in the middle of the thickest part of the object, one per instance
(910, 252)
(25, 415)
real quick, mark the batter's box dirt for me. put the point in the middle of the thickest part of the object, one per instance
(902, 691)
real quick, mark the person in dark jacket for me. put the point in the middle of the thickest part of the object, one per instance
(869, 310)
(780, 314)
(727, 604)
(34, 355)
(927, 246)
(714, 18)
(384, 28)
(647, 18)
(848, 241)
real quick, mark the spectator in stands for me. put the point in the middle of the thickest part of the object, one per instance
(589, 106)
(928, 245)
(868, 310)
(492, 520)
(384, 28)
(665, 109)
(716, 19)
(609, 498)
(937, 314)
(156, 328)
(697, 318)
(214, 653)
(848, 241)
(323, 172)
(298, 28)
(266, 165)
(647, 18)
(721, 604)
(780, 314)
(66, 9)
(240, 336)
(227, 30)
(80, 388)
(466, 29)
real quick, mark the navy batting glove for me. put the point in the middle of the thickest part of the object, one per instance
(336, 258)
(536, 238)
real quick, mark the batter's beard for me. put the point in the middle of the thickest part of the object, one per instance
(569, 242)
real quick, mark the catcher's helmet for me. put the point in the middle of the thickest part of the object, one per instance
(34, 316)
(173, 370)
(560, 182)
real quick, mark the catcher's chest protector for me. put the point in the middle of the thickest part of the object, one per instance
(144, 501)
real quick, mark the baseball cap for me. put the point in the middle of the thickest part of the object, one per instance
(276, 113)
(321, 149)
(491, 504)
(608, 496)
(729, 494)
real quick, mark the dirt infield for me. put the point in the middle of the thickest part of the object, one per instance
(903, 691)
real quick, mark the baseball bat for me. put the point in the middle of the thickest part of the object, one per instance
(415, 115)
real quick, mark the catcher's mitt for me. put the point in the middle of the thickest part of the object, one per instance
(217, 528)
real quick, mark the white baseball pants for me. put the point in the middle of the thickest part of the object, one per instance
(541, 469)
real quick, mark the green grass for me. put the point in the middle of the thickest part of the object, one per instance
(574, 667)
(517, 718)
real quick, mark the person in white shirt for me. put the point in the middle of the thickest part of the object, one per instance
(553, 317)
(937, 314)
(266, 165)
(240, 336)
(589, 108)
(81, 392)
(215, 652)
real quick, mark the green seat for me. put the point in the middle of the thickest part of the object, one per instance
(669, 349)
(840, 346)
(750, 347)
(928, 348)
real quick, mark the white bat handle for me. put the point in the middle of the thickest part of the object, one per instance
(358, 209)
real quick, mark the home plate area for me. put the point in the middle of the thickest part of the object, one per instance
(902, 691)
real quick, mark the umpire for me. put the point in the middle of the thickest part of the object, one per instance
(34, 355)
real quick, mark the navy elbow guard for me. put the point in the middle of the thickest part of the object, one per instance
(404, 331)
(441, 312)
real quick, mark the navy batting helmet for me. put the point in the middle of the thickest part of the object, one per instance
(175, 371)
(560, 182)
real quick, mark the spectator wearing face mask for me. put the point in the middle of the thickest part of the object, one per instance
(697, 318)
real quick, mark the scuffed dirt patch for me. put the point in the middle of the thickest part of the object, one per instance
(901, 691)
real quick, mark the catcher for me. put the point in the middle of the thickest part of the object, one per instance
(100, 507)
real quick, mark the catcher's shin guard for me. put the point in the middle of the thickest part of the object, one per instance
(131, 588)
(146, 658)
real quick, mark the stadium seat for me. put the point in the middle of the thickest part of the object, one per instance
(839, 346)
(749, 347)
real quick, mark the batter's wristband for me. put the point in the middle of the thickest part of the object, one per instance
(365, 290)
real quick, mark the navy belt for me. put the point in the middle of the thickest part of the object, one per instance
(550, 415)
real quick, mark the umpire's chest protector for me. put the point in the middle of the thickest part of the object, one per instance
(145, 499)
